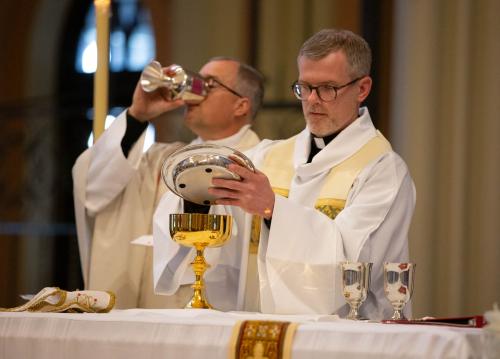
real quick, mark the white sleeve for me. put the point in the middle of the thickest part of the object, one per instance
(299, 260)
(99, 175)
(108, 171)
(170, 260)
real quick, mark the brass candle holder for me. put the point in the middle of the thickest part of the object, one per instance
(200, 231)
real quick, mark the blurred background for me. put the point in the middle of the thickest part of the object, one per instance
(436, 96)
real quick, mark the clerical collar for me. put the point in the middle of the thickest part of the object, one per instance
(318, 143)
(322, 142)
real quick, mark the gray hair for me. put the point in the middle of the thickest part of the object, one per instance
(249, 83)
(355, 48)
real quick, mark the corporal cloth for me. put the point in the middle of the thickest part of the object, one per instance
(115, 198)
(298, 257)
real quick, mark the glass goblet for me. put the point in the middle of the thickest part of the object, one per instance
(398, 286)
(355, 285)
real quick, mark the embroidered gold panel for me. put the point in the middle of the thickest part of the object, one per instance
(330, 206)
(255, 234)
(254, 339)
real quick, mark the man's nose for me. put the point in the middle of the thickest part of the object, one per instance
(313, 96)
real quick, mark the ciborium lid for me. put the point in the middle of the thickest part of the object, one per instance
(188, 172)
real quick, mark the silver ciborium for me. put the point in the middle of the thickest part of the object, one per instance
(180, 83)
(355, 285)
(398, 286)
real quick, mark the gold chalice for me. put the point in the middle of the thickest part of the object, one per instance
(200, 231)
(188, 173)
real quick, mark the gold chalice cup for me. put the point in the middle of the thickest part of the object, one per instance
(200, 231)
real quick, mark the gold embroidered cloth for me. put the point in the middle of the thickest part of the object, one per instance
(254, 339)
(53, 299)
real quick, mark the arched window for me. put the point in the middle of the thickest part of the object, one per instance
(131, 48)
(131, 42)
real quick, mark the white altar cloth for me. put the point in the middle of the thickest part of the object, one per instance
(170, 333)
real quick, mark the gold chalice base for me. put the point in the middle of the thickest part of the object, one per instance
(200, 231)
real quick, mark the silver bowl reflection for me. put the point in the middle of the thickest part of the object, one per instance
(188, 172)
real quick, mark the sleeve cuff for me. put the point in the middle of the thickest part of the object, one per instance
(132, 133)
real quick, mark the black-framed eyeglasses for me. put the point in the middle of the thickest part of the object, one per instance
(326, 92)
(214, 83)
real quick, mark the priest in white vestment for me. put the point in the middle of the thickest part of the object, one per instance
(117, 187)
(335, 192)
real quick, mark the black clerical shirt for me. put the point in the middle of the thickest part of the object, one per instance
(318, 143)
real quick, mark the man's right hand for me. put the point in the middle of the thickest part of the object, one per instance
(149, 105)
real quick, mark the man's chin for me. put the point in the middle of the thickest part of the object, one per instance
(320, 132)
(190, 111)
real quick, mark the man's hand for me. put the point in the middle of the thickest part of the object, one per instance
(253, 193)
(149, 105)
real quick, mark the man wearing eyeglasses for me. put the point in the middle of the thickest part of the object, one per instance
(117, 187)
(335, 192)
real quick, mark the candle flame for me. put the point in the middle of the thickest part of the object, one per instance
(102, 3)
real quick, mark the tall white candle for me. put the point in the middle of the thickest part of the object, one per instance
(101, 76)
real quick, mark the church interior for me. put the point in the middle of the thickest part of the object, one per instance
(436, 97)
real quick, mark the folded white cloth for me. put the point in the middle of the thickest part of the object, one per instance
(53, 299)
(146, 240)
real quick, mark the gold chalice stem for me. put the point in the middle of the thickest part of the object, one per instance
(199, 265)
(200, 231)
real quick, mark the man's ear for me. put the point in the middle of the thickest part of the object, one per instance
(365, 86)
(242, 107)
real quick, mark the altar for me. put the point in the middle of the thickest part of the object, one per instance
(172, 333)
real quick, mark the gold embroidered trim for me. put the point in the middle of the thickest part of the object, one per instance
(330, 206)
(256, 224)
(281, 191)
(253, 246)
(262, 339)
(112, 301)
